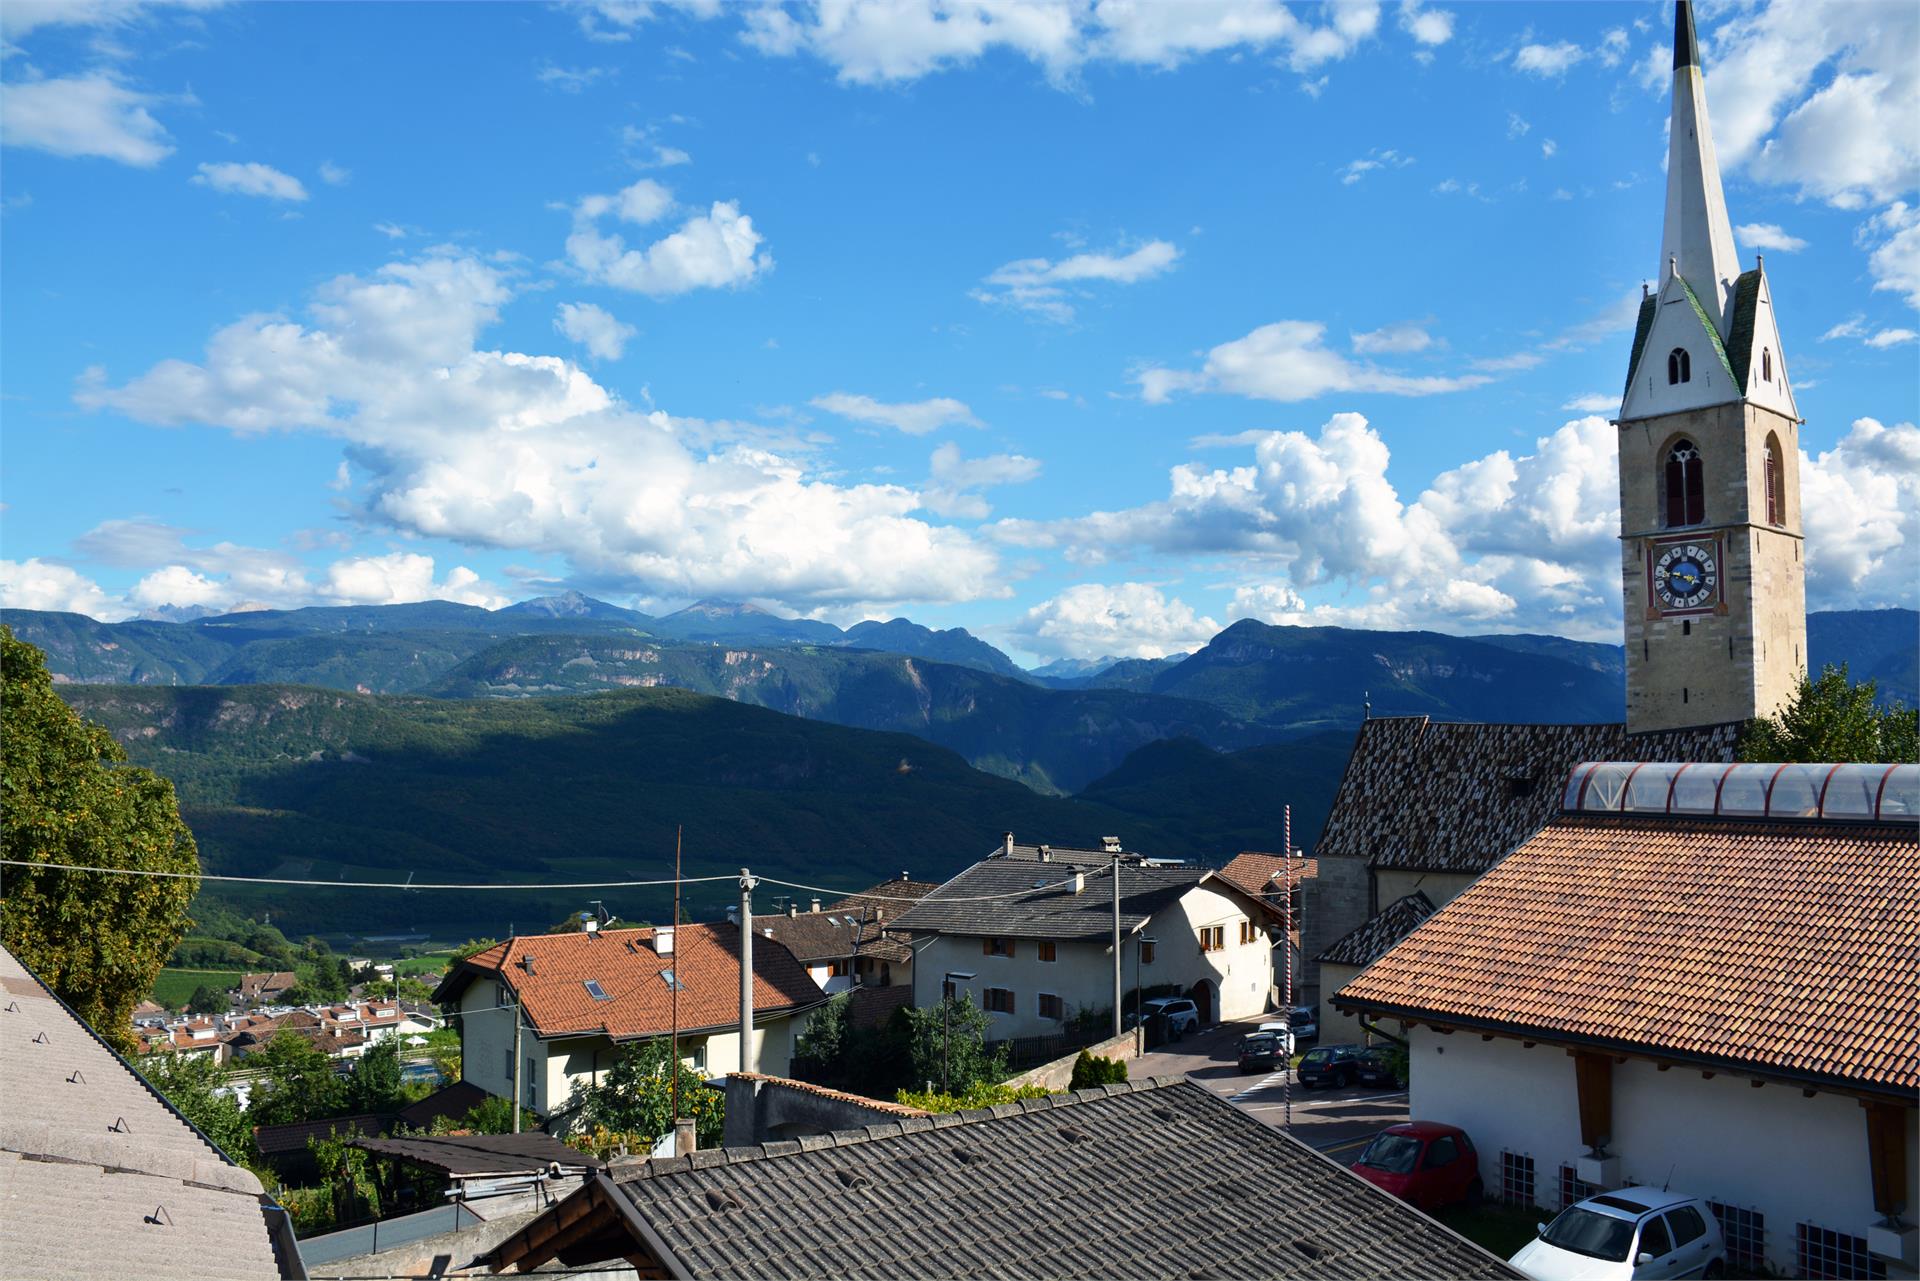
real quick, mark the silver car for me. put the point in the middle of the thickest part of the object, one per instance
(1633, 1233)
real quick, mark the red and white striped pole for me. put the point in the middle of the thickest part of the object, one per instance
(1286, 946)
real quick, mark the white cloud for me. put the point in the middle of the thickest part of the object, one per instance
(1891, 338)
(1597, 402)
(1613, 47)
(570, 79)
(1426, 26)
(1377, 159)
(400, 578)
(1856, 326)
(391, 230)
(1047, 288)
(1549, 148)
(1895, 261)
(953, 480)
(600, 332)
(1125, 620)
(37, 584)
(1852, 327)
(1548, 59)
(916, 418)
(503, 449)
(1517, 126)
(712, 250)
(20, 17)
(251, 179)
(1394, 339)
(1769, 236)
(334, 175)
(178, 586)
(1289, 361)
(1861, 505)
(90, 115)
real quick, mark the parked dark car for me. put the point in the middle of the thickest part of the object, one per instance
(1333, 1065)
(1262, 1052)
(1378, 1067)
(1424, 1163)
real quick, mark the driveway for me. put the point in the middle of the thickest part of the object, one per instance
(1337, 1122)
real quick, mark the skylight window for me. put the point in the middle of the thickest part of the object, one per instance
(597, 992)
(666, 976)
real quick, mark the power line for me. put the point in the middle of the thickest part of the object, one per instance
(352, 885)
(936, 897)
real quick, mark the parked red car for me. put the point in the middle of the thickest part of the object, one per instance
(1423, 1162)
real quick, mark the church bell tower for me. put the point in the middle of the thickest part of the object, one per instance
(1711, 548)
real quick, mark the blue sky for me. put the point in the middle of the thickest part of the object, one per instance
(1089, 327)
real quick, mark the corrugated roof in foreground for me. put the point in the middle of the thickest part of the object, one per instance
(1789, 949)
(1152, 1179)
(98, 1176)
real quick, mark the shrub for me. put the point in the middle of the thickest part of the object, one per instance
(1090, 1070)
(981, 1094)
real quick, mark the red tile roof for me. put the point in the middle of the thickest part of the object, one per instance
(1255, 870)
(1788, 948)
(705, 959)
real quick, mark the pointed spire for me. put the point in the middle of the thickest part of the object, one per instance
(1686, 49)
(1698, 238)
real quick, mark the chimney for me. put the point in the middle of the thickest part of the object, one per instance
(1006, 850)
(663, 940)
(1079, 882)
(1110, 844)
(592, 927)
(684, 1138)
(793, 909)
(816, 904)
(1046, 853)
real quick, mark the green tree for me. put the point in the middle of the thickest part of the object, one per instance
(948, 1043)
(492, 1115)
(347, 1174)
(822, 1046)
(375, 1085)
(443, 1048)
(206, 1001)
(1833, 719)
(1090, 1070)
(66, 798)
(192, 1083)
(297, 1082)
(636, 1098)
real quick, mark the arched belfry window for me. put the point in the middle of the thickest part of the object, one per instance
(1776, 483)
(1766, 364)
(1679, 366)
(1686, 487)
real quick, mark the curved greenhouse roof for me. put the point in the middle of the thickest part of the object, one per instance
(1862, 793)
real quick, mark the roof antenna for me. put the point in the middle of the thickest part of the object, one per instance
(1669, 1182)
(1366, 704)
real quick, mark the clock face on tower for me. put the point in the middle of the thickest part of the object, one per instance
(1686, 576)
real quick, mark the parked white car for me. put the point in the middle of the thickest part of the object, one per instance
(1638, 1233)
(1306, 1023)
(1182, 1015)
(1282, 1032)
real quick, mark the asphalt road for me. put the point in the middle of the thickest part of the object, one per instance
(1337, 1122)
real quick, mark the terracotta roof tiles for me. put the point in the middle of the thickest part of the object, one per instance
(1790, 947)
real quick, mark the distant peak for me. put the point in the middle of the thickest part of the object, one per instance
(722, 608)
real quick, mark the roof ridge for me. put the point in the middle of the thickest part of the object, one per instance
(636, 1168)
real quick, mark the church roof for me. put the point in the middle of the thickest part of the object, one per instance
(1746, 302)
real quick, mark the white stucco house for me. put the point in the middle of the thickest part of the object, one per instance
(581, 999)
(1698, 976)
(1033, 927)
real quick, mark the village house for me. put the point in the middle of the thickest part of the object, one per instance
(1086, 1184)
(1698, 976)
(265, 989)
(849, 944)
(582, 998)
(1028, 932)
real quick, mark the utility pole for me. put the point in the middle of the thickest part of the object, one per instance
(674, 1061)
(1116, 945)
(516, 1064)
(1286, 946)
(746, 969)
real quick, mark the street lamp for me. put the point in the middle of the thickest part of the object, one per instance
(947, 994)
(1144, 941)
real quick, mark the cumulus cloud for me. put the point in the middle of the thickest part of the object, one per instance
(1548, 59)
(506, 449)
(1426, 26)
(1856, 326)
(1046, 288)
(1890, 338)
(1768, 236)
(1861, 505)
(1393, 340)
(1125, 620)
(37, 584)
(400, 577)
(90, 115)
(1593, 402)
(251, 179)
(599, 331)
(1288, 360)
(714, 249)
(915, 417)
(1895, 261)
(954, 481)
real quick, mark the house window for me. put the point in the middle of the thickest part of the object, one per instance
(999, 1000)
(838, 969)
(1516, 1178)
(1572, 1188)
(996, 947)
(1213, 938)
(1046, 951)
(1679, 366)
(1822, 1252)
(508, 1069)
(1247, 932)
(1746, 1235)
(1146, 954)
(1052, 1007)
(1776, 486)
(595, 991)
(532, 1067)
(1686, 487)
(1766, 364)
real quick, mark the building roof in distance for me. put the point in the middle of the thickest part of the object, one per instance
(549, 973)
(452, 1101)
(1377, 935)
(1443, 797)
(1786, 949)
(471, 1155)
(1023, 899)
(1022, 1189)
(1260, 873)
(99, 1176)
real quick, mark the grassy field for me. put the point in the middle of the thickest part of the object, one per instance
(415, 966)
(172, 988)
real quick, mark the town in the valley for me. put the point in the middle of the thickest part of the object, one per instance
(1557, 1000)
